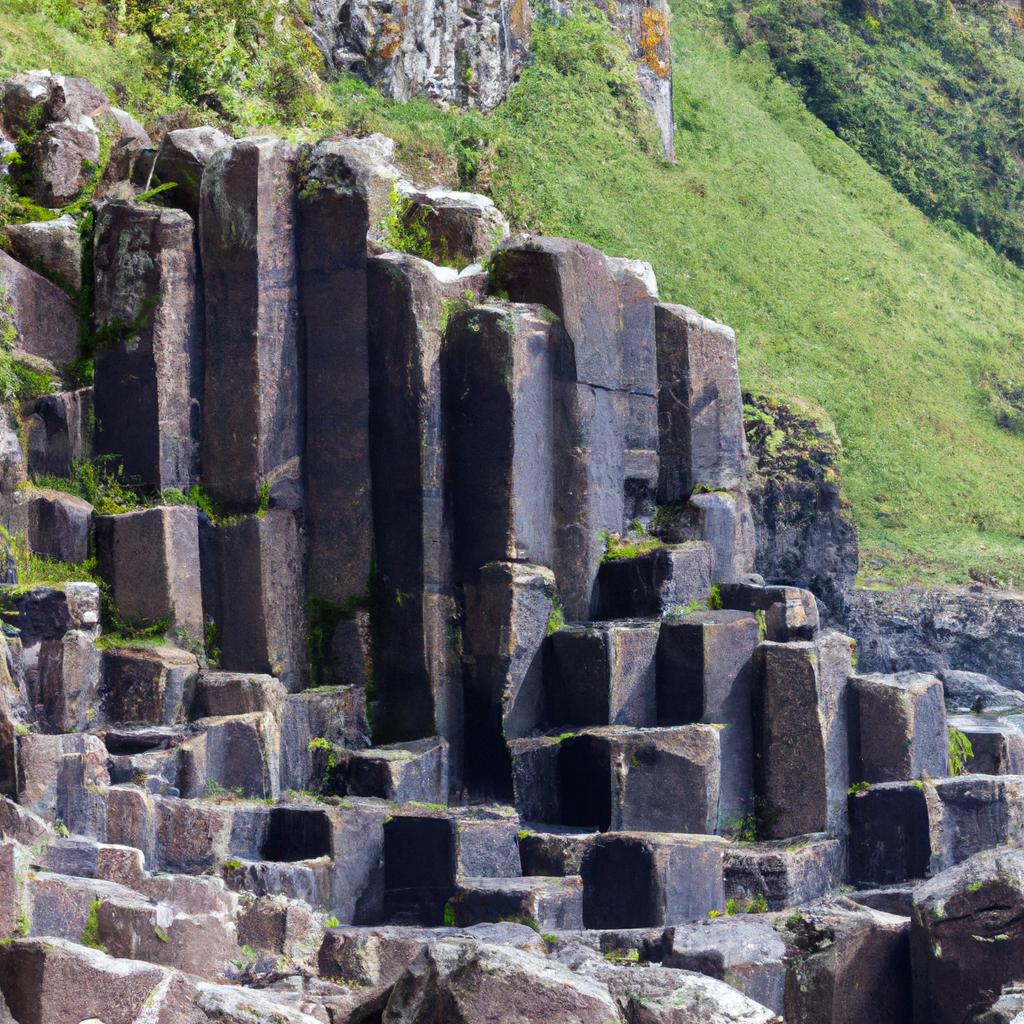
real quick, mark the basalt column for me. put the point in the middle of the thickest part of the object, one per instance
(149, 374)
(417, 668)
(333, 221)
(253, 409)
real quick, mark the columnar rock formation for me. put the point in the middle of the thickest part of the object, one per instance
(430, 679)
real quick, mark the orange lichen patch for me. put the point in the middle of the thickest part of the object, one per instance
(654, 41)
(389, 36)
(520, 18)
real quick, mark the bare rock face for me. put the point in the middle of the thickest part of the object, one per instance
(471, 52)
(42, 315)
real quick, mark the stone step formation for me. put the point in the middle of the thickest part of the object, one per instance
(461, 699)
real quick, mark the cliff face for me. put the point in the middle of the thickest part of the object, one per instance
(470, 52)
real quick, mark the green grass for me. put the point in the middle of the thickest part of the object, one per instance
(840, 290)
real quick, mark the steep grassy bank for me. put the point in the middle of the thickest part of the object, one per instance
(840, 290)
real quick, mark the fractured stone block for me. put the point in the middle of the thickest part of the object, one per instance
(181, 158)
(535, 778)
(978, 812)
(700, 411)
(148, 384)
(554, 850)
(705, 673)
(785, 873)
(462, 227)
(247, 238)
(508, 615)
(400, 772)
(789, 612)
(893, 833)
(669, 577)
(649, 879)
(801, 734)
(897, 727)
(151, 561)
(39, 762)
(56, 525)
(552, 903)
(58, 430)
(602, 674)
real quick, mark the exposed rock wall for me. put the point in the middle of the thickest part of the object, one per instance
(470, 52)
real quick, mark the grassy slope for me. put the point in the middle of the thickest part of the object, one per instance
(839, 289)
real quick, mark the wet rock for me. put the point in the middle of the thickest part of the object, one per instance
(42, 314)
(965, 936)
(148, 378)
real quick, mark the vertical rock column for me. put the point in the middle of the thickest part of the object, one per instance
(417, 669)
(252, 415)
(333, 220)
(148, 375)
(595, 398)
(253, 580)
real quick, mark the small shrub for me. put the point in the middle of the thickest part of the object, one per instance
(960, 751)
(90, 933)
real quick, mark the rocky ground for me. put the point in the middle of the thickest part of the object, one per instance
(409, 665)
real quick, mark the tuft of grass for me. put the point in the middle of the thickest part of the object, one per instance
(90, 933)
(960, 751)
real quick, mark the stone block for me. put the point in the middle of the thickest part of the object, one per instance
(247, 214)
(965, 943)
(54, 980)
(63, 677)
(81, 804)
(978, 812)
(508, 614)
(603, 674)
(648, 879)
(724, 520)
(747, 952)
(417, 671)
(53, 246)
(700, 411)
(784, 873)
(237, 693)
(56, 525)
(39, 762)
(462, 227)
(333, 221)
(190, 836)
(146, 685)
(897, 727)
(801, 734)
(789, 612)
(662, 780)
(400, 772)
(705, 673)
(150, 559)
(335, 714)
(253, 590)
(60, 905)
(997, 745)
(848, 964)
(553, 903)
(182, 158)
(279, 926)
(554, 850)
(535, 778)
(894, 833)
(148, 384)
(131, 821)
(59, 429)
(236, 753)
(668, 578)
(10, 909)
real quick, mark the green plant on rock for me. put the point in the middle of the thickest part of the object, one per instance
(715, 597)
(960, 751)
(617, 548)
(556, 618)
(858, 788)
(449, 915)
(91, 931)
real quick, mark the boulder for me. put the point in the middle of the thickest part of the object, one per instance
(59, 431)
(182, 158)
(966, 944)
(668, 579)
(42, 315)
(53, 247)
(462, 227)
(56, 525)
(972, 691)
(401, 772)
(471, 979)
(785, 873)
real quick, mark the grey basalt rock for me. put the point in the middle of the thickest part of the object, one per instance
(54, 246)
(146, 685)
(965, 937)
(462, 227)
(972, 691)
(997, 744)
(55, 524)
(181, 158)
(59, 430)
(149, 378)
(42, 314)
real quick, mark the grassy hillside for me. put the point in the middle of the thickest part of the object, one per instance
(841, 291)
